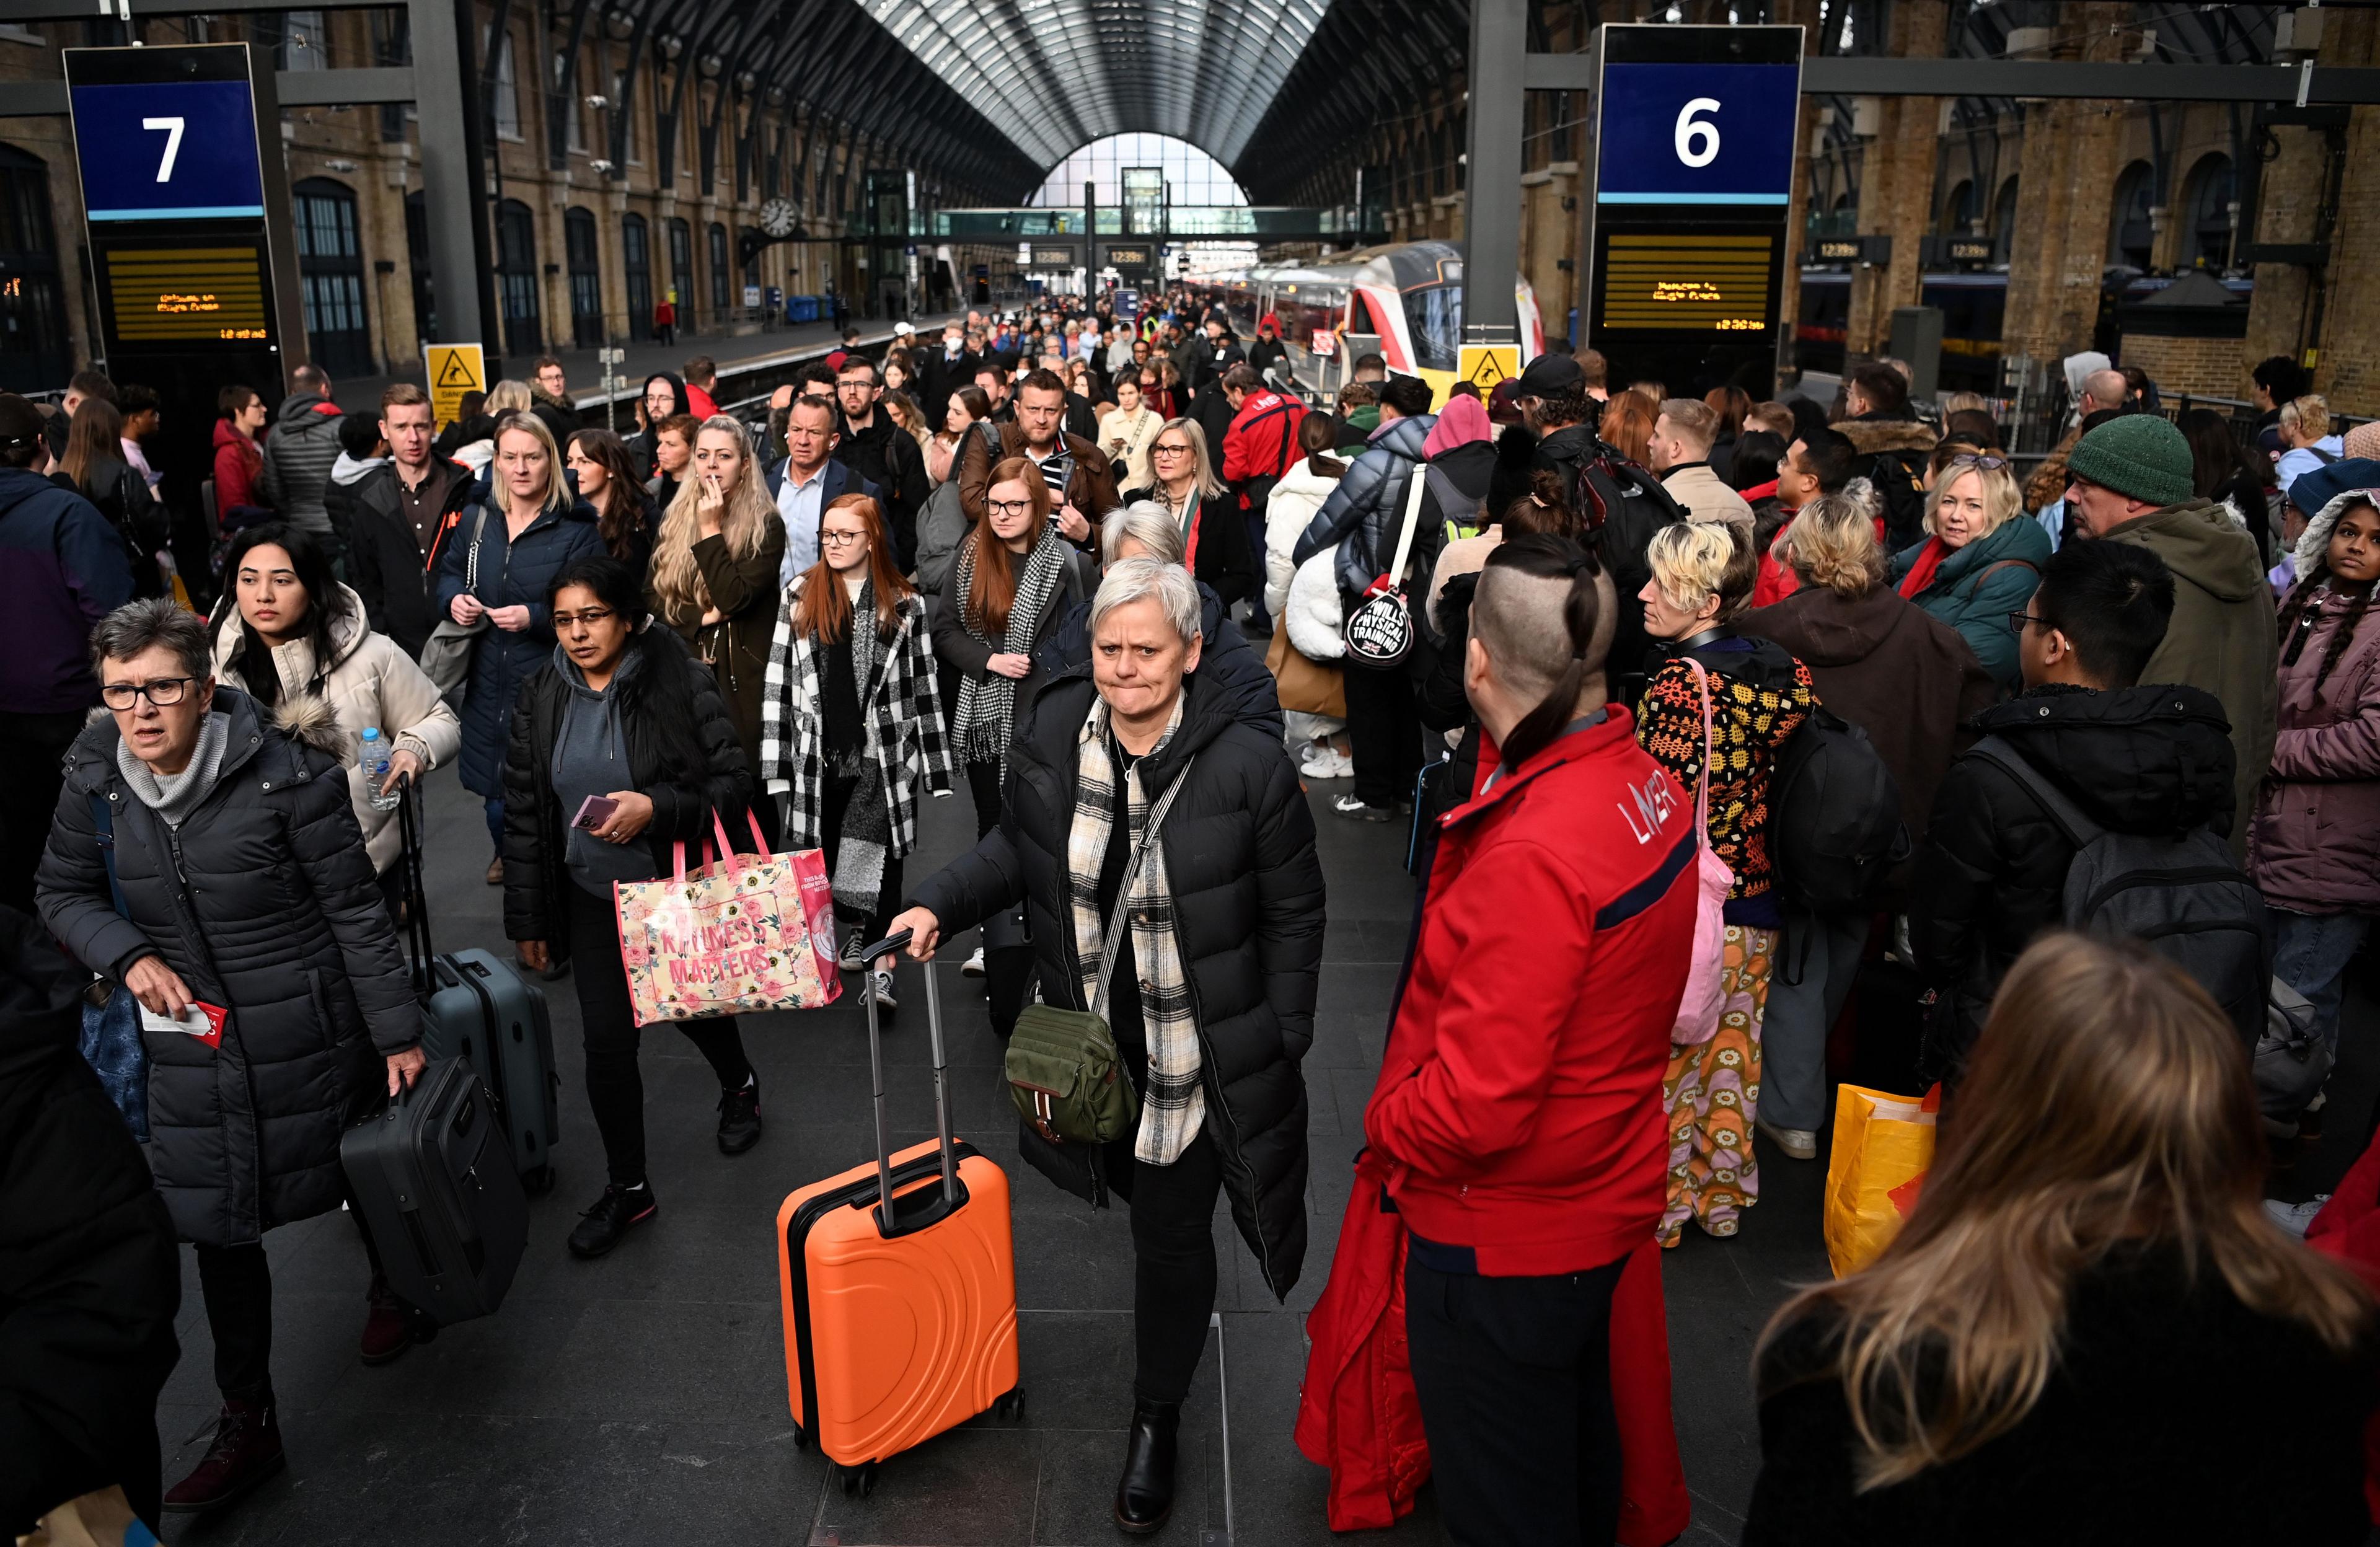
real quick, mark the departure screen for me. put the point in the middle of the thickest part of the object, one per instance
(186, 294)
(1679, 281)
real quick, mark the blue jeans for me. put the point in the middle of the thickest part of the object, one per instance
(2311, 956)
(496, 825)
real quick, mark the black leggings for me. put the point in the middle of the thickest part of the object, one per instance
(237, 1283)
(1174, 1266)
(983, 784)
(615, 1089)
(839, 792)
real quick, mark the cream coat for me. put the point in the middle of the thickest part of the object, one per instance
(1288, 509)
(1126, 439)
(371, 682)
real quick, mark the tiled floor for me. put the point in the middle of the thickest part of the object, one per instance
(642, 1398)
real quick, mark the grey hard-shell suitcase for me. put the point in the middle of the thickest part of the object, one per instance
(434, 1179)
(476, 1006)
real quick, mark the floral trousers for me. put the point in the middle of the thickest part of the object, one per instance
(1711, 1092)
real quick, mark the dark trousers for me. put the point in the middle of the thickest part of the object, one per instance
(237, 1283)
(1514, 1379)
(31, 773)
(1174, 1267)
(1007, 950)
(1383, 735)
(615, 1088)
(839, 792)
(983, 784)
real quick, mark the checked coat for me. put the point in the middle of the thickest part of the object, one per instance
(900, 703)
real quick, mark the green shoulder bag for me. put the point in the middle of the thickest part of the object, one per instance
(1064, 1072)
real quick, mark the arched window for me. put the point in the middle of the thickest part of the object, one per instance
(416, 251)
(636, 265)
(516, 279)
(331, 276)
(681, 245)
(1960, 211)
(34, 353)
(2004, 218)
(586, 278)
(2209, 203)
(721, 278)
(2129, 235)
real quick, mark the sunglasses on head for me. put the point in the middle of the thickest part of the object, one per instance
(1983, 461)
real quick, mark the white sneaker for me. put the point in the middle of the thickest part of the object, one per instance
(2295, 1217)
(973, 965)
(880, 982)
(1328, 762)
(1799, 1143)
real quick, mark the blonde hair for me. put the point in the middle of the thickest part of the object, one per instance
(1692, 561)
(557, 492)
(1832, 543)
(744, 522)
(1208, 484)
(507, 396)
(2107, 1106)
(2309, 415)
(2002, 499)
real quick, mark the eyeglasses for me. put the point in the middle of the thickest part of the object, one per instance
(844, 539)
(1008, 507)
(160, 691)
(1981, 461)
(1165, 448)
(2016, 622)
(590, 617)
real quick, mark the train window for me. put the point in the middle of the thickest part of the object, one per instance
(1359, 317)
(1434, 316)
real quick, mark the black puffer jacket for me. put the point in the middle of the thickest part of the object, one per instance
(1248, 893)
(537, 829)
(1365, 514)
(275, 915)
(1992, 873)
(89, 1276)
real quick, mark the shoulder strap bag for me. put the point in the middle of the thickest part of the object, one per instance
(1064, 1073)
(446, 654)
(1380, 629)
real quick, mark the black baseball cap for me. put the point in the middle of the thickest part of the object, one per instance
(20, 422)
(1550, 376)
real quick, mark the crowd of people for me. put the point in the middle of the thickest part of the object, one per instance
(1724, 730)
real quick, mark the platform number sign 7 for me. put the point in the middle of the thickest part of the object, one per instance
(172, 129)
(1696, 139)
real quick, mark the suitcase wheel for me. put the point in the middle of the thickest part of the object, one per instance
(859, 1479)
(1010, 1406)
(801, 1438)
(538, 1183)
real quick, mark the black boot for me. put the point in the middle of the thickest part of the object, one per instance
(1144, 1500)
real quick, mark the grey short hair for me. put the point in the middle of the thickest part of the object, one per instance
(1176, 593)
(1148, 523)
(136, 627)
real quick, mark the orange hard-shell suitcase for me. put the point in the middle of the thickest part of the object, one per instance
(894, 1334)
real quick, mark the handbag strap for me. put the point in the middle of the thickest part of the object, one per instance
(471, 554)
(1702, 784)
(1416, 482)
(1123, 888)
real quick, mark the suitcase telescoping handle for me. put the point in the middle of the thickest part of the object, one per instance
(942, 1078)
(409, 819)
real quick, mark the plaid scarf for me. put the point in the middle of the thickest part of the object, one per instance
(1173, 1106)
(987, 710)
(899, 703)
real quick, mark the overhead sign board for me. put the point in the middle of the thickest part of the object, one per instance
(1873, 249)
(182, 147)
(1694, 132)
(1049, 257)
(1133, 257)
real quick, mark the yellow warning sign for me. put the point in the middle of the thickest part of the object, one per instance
(454, 369)
(1486, 364)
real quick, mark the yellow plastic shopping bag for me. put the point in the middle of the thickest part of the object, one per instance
(1883, 1145)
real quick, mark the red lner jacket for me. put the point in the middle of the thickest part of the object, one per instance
(1262, 440)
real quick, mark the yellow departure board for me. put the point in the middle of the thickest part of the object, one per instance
(186, 294)
(1685, 282)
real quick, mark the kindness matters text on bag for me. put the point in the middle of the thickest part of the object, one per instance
(745, 932)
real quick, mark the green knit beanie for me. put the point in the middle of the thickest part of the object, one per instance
(2138, 454)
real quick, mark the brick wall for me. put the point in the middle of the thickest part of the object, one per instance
(2200, 367)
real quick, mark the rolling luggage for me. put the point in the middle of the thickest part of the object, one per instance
(898, 1285)
(476, 1006)
(432, 1177)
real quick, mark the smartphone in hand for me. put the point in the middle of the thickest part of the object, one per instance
(594, 811)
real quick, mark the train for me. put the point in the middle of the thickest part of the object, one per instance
(1973, 310)
(1410, 296)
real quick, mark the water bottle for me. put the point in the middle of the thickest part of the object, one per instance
(374, 755)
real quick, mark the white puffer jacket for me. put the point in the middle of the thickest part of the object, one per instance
(371, 682)
(1288, 511)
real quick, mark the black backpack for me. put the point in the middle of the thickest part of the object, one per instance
(2183, 894)
(1835, 831)
(1899, 478)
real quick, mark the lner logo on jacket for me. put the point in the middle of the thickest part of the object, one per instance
(1519, 1100)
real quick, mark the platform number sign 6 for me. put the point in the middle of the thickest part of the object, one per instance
(172, 130)
(1696, 139)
